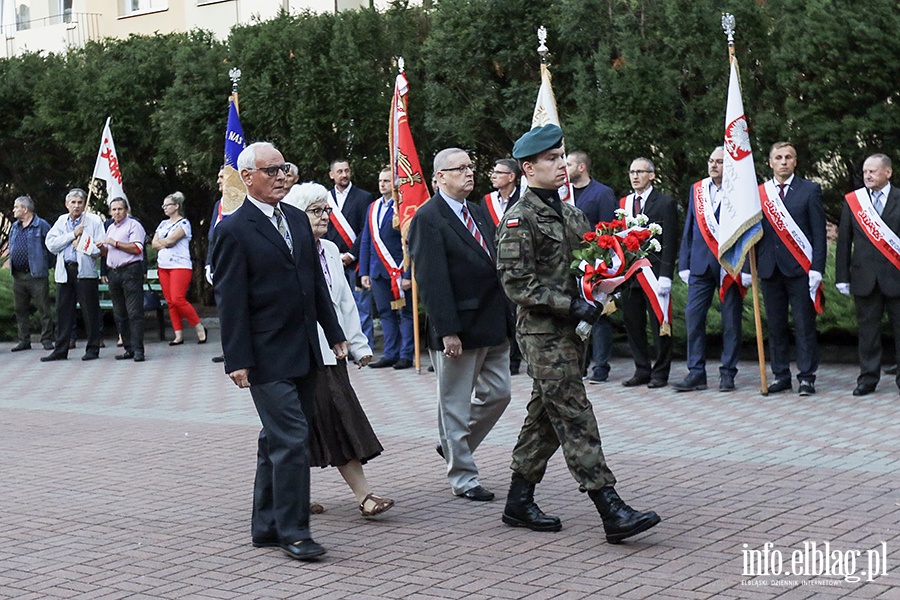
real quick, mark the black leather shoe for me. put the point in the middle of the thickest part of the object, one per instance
(439, 449)
(780, 385)
(403, 363)
(303, 550)
(514, 368)
(90, 356)
(125, 356)
(863, 389)
(636, 380)
(806, 388)
(218, 359)
(521, 509)
(890, 370)
(383, 363)
(690, 383)
(54, 356)
(22, 346)
(48, 345)
(138, 358)
(620, 521)
(478, 494)
(726, 383)
(657, 383)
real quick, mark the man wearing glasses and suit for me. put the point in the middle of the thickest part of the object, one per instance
(271, 291)
(468, 321)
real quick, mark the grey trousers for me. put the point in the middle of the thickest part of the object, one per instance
(464, 421)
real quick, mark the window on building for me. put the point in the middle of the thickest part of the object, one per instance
(65, 10)
(23, 17)
(137, 6)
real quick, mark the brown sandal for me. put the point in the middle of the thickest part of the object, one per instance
(315, 508)
(373, 505)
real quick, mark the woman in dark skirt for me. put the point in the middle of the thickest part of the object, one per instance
(340, 433)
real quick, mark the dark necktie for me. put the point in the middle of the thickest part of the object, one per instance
(782, 190)
(473, 229)
(282, 228)
(636, 207)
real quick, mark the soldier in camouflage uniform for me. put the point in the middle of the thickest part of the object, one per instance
(535, 242)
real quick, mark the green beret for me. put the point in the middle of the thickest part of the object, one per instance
(537, 140)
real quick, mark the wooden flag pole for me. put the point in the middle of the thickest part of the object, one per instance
(728, 26)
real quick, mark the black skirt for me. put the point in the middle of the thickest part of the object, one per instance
(340, 430)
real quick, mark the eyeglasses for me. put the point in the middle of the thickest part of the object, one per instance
(273, 170)
(318, 212)
(501, 173)
(168, 205)
(462, 169)
(638, 172)
(716, 161)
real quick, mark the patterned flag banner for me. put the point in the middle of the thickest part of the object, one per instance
(233, 191)
(106, 166)
(408, 177)
(545, 113)
(741, 213)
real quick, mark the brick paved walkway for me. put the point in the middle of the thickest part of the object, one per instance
(124, 480)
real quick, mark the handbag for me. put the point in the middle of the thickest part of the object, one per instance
(151, 298)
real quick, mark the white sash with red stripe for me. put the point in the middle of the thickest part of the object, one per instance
(661, 305)
(384, 255)
(881, 236)
(494, 206)
(340, 222)
(790, 234)
(709, 229)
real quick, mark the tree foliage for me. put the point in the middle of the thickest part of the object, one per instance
(631, 77)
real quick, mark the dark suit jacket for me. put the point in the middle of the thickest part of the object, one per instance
(270, 299)
(661, 209)
(355, 209)
(858, 261)
(804, 201)
(458, 280)
(695, 255)
(597, 202)
(369, 263)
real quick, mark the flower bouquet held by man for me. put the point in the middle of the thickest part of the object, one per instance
(611, 254)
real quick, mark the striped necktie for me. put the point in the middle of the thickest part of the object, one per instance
(282, 228)
(473, 229)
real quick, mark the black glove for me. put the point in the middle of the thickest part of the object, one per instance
(581, 310)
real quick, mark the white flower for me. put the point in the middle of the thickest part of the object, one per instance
(655, 246)
(655, 228)
(642, 219)
(630, 222)
(620, 213)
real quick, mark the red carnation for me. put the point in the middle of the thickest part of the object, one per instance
(590, 236)
(632, 243)
(606, 241)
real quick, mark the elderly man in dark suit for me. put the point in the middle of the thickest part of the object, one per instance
(790, 261)
(350, 205)
(452, 246)
(868, 264)
(271, 291)
(660, 209)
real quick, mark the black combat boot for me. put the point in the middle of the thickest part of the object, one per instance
(521, 510)
(620, 521)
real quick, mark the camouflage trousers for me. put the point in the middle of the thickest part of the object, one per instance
(559, 413)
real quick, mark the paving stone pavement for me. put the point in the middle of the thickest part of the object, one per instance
(125, 480)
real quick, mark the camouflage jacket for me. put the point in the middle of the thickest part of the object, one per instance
(534, 252)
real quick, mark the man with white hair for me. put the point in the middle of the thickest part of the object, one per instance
(73, 240)
(271, 291)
